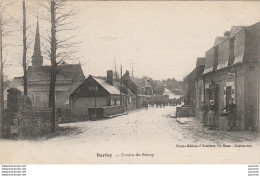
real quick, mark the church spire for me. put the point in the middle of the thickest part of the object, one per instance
(37, 58)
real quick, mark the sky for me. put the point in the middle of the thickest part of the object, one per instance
(157, 39)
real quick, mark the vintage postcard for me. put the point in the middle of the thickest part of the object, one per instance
(129, 82)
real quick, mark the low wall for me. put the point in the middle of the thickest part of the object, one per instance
(101, 112)
(35, 123)
(112, 110)
(184, 111)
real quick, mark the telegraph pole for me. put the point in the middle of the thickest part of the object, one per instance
(121, 85)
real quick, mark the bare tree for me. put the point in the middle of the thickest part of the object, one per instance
(1, 73)
(3, 32)
(61, 46)
(24, 50)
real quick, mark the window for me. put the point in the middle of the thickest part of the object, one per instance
(200, 97)
(93, 88)
(231, 50)
(228, 93)
(115, 102)
(33, 98)
(148, 92)
(37, 97)
(129, 100)
(215, 57)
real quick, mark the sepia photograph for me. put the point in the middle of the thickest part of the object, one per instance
(129, 82)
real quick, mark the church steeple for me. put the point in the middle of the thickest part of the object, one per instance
(37, 58)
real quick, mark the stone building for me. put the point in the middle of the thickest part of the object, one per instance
(232, 70)
(100, 93)
(68, 78)
(140, 87)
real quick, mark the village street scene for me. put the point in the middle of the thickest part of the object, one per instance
(79, 85)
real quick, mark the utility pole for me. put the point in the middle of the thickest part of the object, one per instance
(132, 71)
(133, 68)
(24, 50)
(121, 85)
(115, 74)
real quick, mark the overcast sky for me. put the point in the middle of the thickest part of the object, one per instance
(160, 39)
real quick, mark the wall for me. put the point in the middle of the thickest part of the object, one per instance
(250, 96)
(41, 99)
(112, 110)
(239, 47)
(103, 112)
(223, 54)
(209, 60)
(24, 120)
(237, 82)
(140, 101)
(79, 106)
(130, 101)
(199, 98)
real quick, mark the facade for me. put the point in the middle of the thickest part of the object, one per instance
(232, 71)
(97, 92)
(140, 87)
(191, 82)
(104, 93)
(68, 78)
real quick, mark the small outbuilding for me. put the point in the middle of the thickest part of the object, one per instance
(96, 93)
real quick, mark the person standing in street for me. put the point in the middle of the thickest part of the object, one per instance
(231, 109)
(204, 108)
(212, 119)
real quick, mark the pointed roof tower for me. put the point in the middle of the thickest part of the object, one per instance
(37, 58)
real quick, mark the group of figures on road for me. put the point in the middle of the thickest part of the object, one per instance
(211, 118)
(165, 102)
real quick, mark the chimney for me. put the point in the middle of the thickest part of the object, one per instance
(110, 77)
(127, 73)
(227, 33)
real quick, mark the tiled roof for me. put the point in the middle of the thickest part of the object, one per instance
(235, 29)
(65, 72)
(223, 54)
(129, 92)
(200, 61)
(140, 82)
(209, 61)
(108, 87)
(218, 40)
(192, 75)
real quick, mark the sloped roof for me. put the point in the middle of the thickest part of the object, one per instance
(209, 61)
(223, 54)
(117, 84)
(65, 72)
(218, 40)
(200, 61)
(114, 90)
(146, 83)
(235, 29)
(137, 82)
(140, 82)
(192, 75)
(170, 93)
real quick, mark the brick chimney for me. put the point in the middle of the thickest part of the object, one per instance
(110, 77)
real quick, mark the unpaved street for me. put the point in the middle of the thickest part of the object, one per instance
(149, 131)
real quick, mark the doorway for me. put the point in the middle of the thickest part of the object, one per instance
(228, 93)
(212, 94)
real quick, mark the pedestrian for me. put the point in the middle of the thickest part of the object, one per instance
(204, 108)
(212, 119)
(231, 109)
